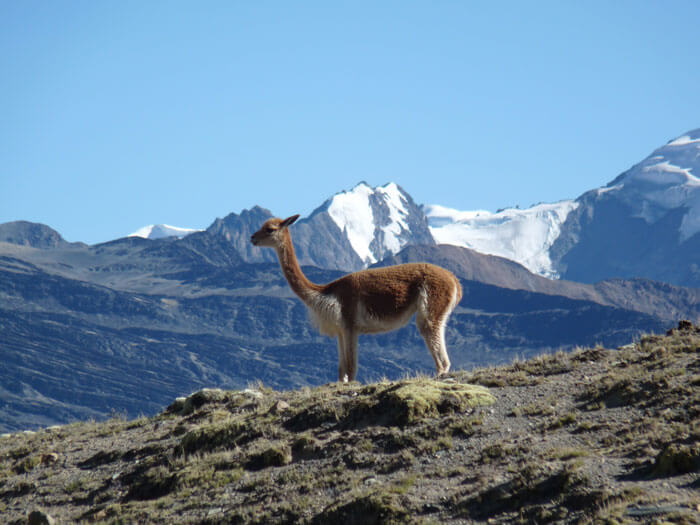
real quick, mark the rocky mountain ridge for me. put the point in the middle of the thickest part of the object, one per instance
(347, 232)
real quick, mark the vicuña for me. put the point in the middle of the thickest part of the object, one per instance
(369, 301)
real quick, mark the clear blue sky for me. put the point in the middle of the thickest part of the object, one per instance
(115, 115)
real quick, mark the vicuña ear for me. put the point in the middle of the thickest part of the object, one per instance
(289, 220)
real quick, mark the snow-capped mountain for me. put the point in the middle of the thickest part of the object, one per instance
(349, 231)
(159, 231)
(664, 182)
(645, 223)
(378, 221)
(524, 236)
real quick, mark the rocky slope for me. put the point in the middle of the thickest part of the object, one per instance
(597, 435)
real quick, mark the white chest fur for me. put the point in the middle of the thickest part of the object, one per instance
(325, 313)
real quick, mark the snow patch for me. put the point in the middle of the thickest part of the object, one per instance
(397, 214)
(442, 215)
(159, 231)
(524, 236)
(684, 141)
(667, 170)
(606, 189)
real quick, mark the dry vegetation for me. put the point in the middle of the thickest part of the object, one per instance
(600, 435)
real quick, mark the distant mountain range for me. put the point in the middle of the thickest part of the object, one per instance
(128, 325)
(645, 223)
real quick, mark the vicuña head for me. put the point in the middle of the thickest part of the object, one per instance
(369, 301)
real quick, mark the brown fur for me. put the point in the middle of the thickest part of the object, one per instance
(369, 301)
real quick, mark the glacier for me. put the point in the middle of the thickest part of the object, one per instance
(664, 181)
(524, 236)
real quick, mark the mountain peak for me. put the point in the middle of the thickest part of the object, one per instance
(361, 185)
(378, 221)
(666, 180)
(662, 190)
(237, 228)
(31, 234)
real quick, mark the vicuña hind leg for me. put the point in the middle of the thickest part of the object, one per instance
(434, 336)
(347, 356)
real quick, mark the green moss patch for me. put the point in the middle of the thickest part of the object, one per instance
(388, 404)
(408, 402)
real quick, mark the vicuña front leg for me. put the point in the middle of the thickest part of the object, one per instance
(342, 363)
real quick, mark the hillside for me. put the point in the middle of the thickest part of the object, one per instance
(596, 434)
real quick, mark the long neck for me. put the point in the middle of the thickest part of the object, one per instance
(298, 282)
